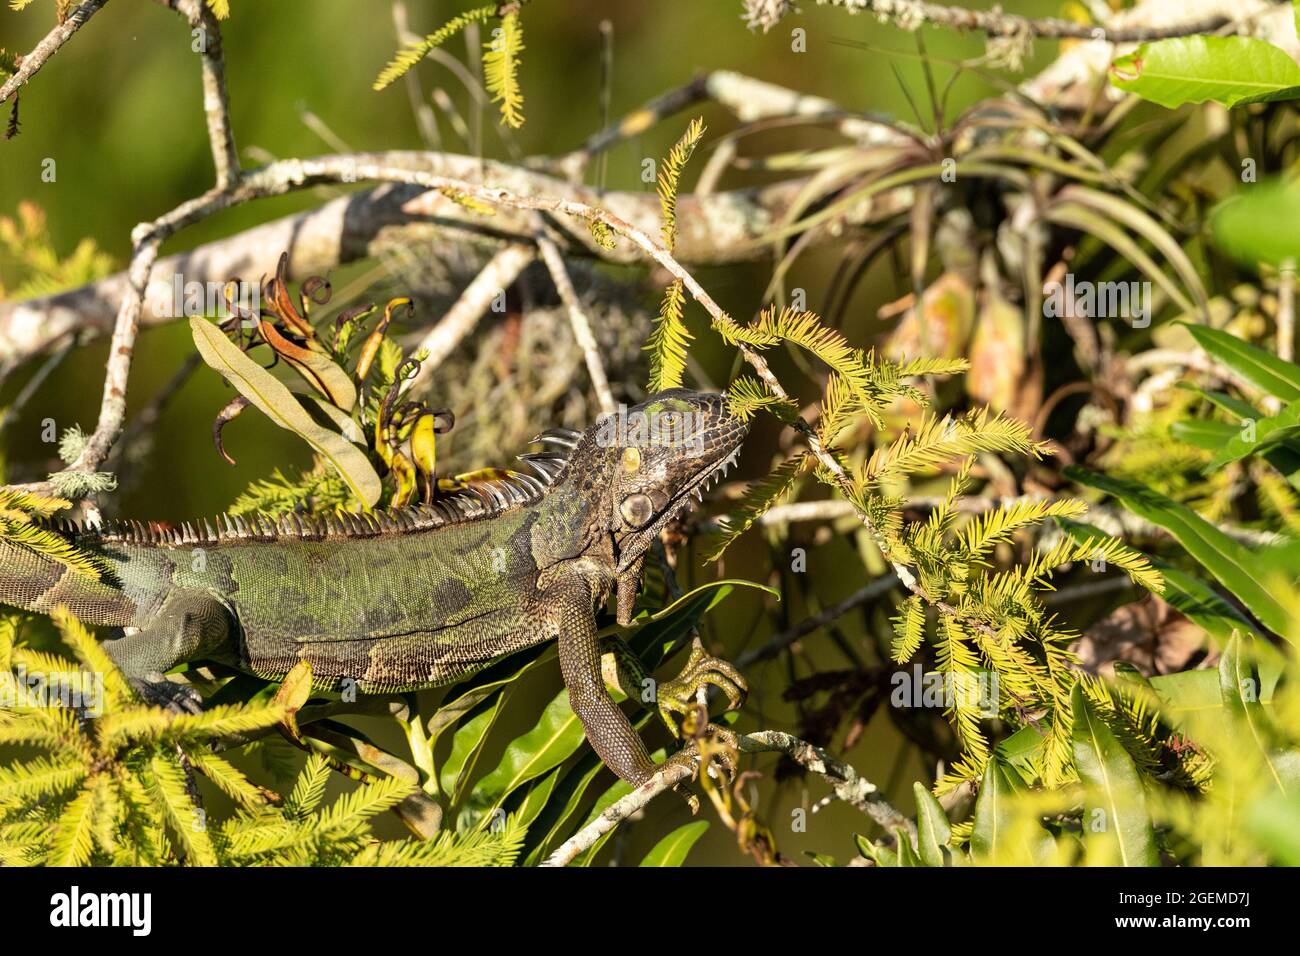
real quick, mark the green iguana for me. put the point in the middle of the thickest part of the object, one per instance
(401, 600)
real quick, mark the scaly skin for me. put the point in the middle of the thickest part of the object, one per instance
(418, 599)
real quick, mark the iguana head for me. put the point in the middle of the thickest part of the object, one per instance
(656, 459)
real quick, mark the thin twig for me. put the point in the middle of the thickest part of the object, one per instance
(578, 320)
(718, 229)
(31, 63)
(844, 780)
(911, 14)
(216, 100)
(490, 284)
(868, 592)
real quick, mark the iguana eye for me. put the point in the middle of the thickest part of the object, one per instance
(631, 459)
(637, 510)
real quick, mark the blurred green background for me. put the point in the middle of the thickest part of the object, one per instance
(119, 110)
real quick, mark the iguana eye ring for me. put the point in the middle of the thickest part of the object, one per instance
(637, 510)
(631, 459)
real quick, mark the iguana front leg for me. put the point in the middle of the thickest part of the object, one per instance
(608, 730)
(189, 625)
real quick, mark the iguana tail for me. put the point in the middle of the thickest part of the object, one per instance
(37, 582)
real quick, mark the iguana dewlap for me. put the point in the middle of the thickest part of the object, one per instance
(398, 601)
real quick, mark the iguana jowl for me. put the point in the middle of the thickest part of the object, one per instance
(399, 601)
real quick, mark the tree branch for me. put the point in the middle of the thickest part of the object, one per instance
(216, 101)
(31, 64)
(845, 782)
(911, 14)
(718, 229)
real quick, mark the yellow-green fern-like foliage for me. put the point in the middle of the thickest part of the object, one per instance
(670, 339)
(982, 618)
(500, 58)
(106, 779)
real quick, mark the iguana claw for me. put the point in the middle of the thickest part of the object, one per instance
(171, 696)
(678, 696)
(719, 744)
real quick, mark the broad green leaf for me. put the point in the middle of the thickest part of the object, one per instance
(879, 855)
(932, 828)
(1186, 694)
(672, 849)
(1242, 691)
(1262, 369)
(1213, 435)
(1230, 70)
(1023, 748)
(906, 852)
(557, 735)
(1108, 773)
(1232, 564)
(466, 744)
(1204, 434)
(1245, 224)
(1199, 602)
(655, 635)
(1235, 407)
(1274, 821)
(539, 794)
(992, 812)
(278, 404)
(564, 803)
(1269, 432)
(465, 696)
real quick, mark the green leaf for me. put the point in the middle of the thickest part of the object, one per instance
(1274, 821)
(932, 828)
(992, 811)
(1269, 432)
(1230, 70)
(659, 633)
(1023, 748)
(557, 735)
(1242, 223)
(1242, 690)
(906, 852)
(536, 799)
(466, 744)
(1232, 564)
(672, 849)
(879, 855)
(1262, 369)
(1195, 599)
(278, 404)
(560, 809)
(1204, 434)
(1112, 779)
